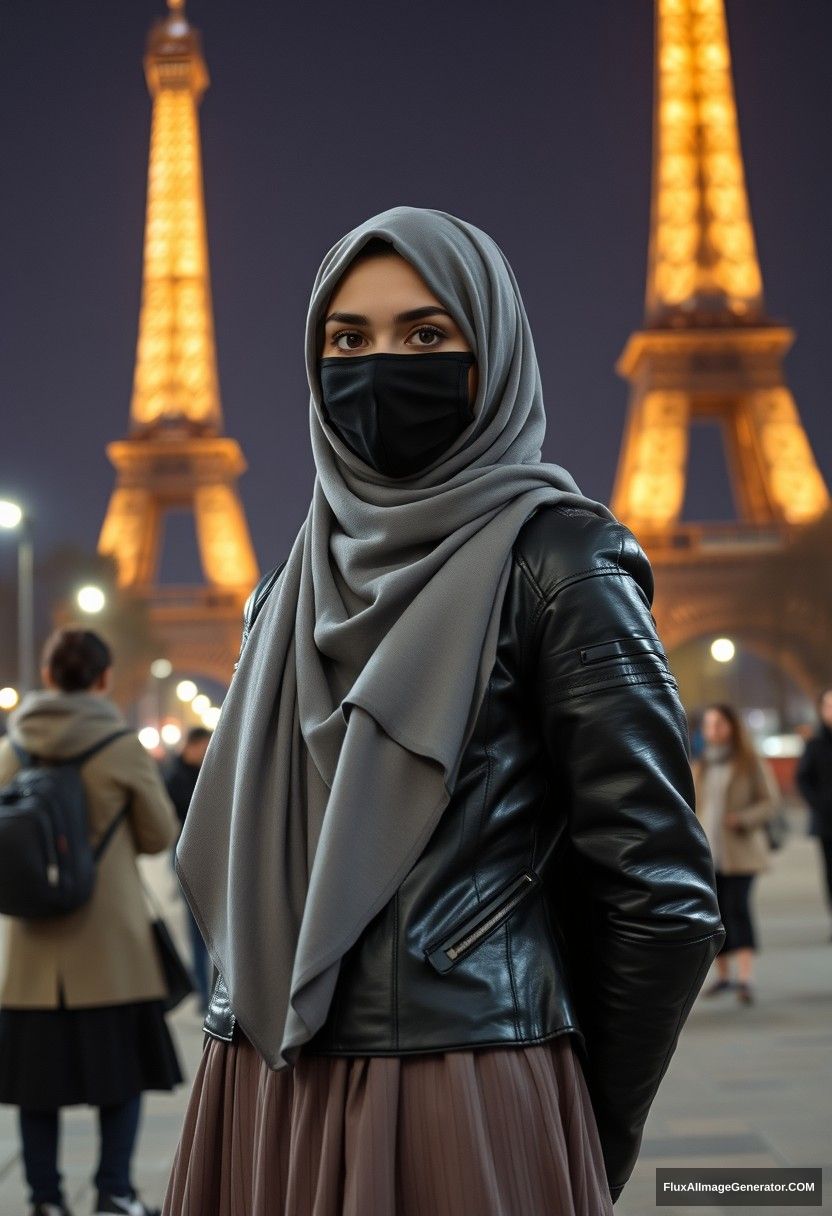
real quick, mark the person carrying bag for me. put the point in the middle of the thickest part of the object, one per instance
(83, 995)
(47, 863)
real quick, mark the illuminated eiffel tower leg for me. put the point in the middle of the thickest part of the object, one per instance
(652, 475)
(176, 457)
(791, 474)
(707, 349)
(132, 531)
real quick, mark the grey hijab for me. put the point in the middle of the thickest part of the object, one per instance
(342, 732)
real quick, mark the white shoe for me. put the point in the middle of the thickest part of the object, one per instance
(123, 1205)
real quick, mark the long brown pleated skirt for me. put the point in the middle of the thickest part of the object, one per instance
(505, 1131)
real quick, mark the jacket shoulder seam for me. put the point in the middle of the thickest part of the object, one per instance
(550, 588)
(600, 568)
(545, 602)
(530, 579)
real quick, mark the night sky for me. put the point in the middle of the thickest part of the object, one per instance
(531, 120)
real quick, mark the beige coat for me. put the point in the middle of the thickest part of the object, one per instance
(102, 953)
(754, 797)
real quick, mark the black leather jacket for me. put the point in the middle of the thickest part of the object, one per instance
(568, 887)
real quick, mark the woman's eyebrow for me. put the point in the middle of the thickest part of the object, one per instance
(415, 314)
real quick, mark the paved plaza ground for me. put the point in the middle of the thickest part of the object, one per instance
(746, 1086)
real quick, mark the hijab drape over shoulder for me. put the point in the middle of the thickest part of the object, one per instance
(341, 736)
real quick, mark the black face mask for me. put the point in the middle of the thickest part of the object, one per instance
(397, 412)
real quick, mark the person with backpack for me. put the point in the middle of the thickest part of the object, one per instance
(81, 1003)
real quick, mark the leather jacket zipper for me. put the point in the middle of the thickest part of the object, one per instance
(481, 923)
(454, 951)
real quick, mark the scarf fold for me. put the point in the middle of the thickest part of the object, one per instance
(342, 733)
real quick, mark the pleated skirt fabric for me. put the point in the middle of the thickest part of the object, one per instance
(505, 1131)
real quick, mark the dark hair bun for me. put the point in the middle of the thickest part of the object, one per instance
(76, 658)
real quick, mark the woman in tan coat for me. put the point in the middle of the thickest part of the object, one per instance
(736, 795)
(81, 1014)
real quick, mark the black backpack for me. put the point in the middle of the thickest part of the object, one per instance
(47, 865)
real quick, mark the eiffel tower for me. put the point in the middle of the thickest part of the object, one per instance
(708, 350)
(176, 456)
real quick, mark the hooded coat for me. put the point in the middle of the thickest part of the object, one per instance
(103, 953)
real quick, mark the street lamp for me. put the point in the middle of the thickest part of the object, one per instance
(91, 599)
(149, 738)
(723, 650)
(171, 733)
(186, 690)
(160, 669)
(13, 519)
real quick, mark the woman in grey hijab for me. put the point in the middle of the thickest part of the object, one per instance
(353, 721)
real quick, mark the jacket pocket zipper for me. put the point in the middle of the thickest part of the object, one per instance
(620, 648)
(446, 954)
(453, 952)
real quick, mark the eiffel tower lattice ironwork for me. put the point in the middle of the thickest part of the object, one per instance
(176, 456)
(708, 350)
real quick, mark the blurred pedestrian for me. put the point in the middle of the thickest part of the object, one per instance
(81, 1015)
(736, 795)
(814, 780)
(695, 735)
(180, 779)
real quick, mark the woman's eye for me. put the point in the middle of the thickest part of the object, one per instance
(428, 335)
(344, 339)
(424, 336)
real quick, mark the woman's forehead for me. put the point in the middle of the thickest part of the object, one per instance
(385, 291)
(380, 285)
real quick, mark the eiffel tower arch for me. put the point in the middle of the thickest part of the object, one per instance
(709, 350)
(176, 456)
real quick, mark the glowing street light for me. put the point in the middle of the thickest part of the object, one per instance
(211, 717)
(91, 599)
(8, 698)
(160, 669)
(171, 733)
(186, 690)
(13, 519)
(200, 703)
(11, 515)
(723, 650)
(149, 738)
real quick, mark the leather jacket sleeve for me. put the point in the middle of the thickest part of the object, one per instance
(255, 602)
(634, 889)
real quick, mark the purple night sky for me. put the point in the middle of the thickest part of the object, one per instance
(531, 120)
